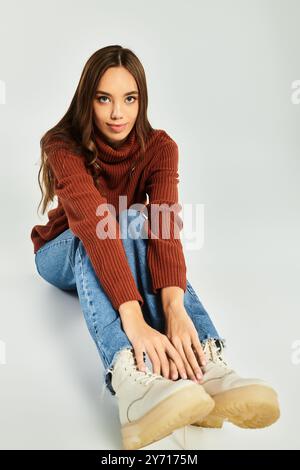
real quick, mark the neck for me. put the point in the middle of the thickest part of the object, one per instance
(113, 143)
(116, 151)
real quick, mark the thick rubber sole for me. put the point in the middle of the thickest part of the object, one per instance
(180, 409)
(252, 406)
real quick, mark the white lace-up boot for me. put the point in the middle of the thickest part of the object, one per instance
(245, 402)
(151, 406)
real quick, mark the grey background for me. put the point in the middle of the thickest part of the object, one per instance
(219, 76)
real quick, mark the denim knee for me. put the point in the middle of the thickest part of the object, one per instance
(126, 214)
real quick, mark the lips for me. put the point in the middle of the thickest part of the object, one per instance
(117, 127)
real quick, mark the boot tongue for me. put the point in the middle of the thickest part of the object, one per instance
(207, 348)
(213, 351)
(130, 357)
(131, 360)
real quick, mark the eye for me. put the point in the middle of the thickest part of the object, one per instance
(100, 97)
(134, 98)
(106, 97)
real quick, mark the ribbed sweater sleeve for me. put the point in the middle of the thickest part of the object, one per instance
(80, 198)
(165, 253)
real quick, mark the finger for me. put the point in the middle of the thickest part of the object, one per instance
(154, 359)
(189, 370)
(163, 361)
(173, 370)
(192, 358)
(139, 356)
(177, 358)
(199, 351)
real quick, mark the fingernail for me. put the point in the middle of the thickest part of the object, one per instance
(199, 376)
(184, 376)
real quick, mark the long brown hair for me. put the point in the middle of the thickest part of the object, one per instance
(76, 128)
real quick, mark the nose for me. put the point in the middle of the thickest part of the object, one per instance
(116, 112)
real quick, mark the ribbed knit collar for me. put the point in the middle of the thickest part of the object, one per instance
(113, 155)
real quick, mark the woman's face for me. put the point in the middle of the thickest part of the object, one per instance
(116, 102)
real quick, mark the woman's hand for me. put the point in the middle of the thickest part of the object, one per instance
(146, 339)
(183, 335)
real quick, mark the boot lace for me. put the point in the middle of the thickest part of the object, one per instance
(213, 350)
(141, 377)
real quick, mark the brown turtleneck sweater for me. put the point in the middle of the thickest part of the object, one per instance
(123, 173)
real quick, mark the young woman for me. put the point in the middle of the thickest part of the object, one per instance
(106, 242)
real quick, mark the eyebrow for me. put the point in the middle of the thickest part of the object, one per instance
(134, 92)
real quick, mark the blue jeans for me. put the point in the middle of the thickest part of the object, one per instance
(64, 263)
